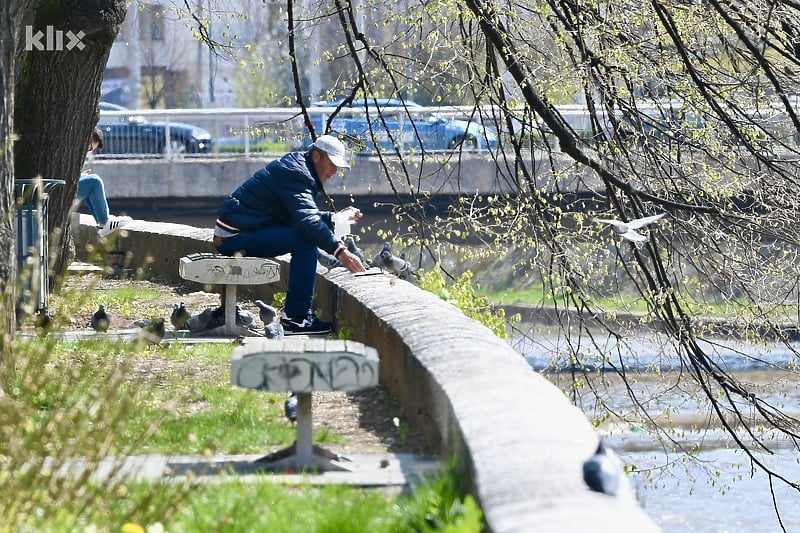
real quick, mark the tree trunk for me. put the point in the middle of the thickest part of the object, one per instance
(56, 102)
(13, 15)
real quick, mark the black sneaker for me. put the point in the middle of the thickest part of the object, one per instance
(307, 325)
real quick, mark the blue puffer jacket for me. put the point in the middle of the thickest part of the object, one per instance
(281, 194)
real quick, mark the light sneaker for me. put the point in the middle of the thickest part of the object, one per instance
(113, 224)
(307, 325)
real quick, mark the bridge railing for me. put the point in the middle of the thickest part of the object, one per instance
(232, 132)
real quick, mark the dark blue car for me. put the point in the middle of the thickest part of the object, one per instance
(133, 134)
(389, 124)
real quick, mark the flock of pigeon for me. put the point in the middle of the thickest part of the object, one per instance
(385, 260)
(153, 330)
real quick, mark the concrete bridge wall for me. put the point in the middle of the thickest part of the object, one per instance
(517, 439)
(434, 174)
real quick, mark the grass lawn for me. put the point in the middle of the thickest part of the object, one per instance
(101, 398)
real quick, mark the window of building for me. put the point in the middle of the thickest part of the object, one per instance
(151, 23)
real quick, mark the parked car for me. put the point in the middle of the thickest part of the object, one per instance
(389, 123)
(133, 134)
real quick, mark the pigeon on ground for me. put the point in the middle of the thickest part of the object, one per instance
(100, 319)
(603, 471)
(244, 318)
(180, 314)
(153, 332)
(627, 230)
(44, 323)
(290, 407)
(396, 265)
(199, 322)
(269, 316)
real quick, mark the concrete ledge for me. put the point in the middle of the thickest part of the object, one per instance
(518, 441)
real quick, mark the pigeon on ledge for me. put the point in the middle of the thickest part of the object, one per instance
(353, 248)
(100, 319)
(396, 265)
(180, 314)
(602, 472)
(627, 230)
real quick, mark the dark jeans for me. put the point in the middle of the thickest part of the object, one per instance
(269, 242)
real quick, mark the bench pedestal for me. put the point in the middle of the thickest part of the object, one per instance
(303, 454)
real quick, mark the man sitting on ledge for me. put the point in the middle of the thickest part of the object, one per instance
(274, 212)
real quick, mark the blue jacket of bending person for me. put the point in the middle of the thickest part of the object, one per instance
(281, 194)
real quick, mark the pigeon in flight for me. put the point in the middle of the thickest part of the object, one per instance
(602, 472)
(627, 230)
(180, 314)
(269, 316)
(100, 320)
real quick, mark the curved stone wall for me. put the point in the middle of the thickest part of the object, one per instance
(516, 438)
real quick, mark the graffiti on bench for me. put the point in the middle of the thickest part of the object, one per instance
(224, 270)
(305, 371)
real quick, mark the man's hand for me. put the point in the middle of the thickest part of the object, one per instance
(353, 213)
(351, 262)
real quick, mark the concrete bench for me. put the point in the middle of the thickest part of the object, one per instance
(303, 366)
(215, 269)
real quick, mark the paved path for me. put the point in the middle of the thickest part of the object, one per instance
(396, 470)
(388, 470)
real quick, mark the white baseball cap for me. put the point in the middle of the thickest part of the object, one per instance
(334, 148)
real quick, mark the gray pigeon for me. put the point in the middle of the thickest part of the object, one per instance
(153, 332)
(290, 407)
(244, 317)
(180, 314)
(353, 248)
(378, 261)
(200, 322)
(396, 265)
(328, 261)
(269, 316)
(44, 323)
(627, 230)
(602, 472)
(100, 319)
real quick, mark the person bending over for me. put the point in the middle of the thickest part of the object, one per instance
(275, 212)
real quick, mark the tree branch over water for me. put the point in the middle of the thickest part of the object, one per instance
(689, 111)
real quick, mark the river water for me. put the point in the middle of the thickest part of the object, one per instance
(713, 488)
